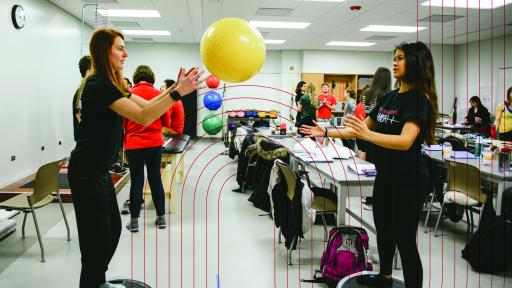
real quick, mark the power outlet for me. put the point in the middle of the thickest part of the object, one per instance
(42, 148)
(13, 158)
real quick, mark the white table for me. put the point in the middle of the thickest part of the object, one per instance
(489, 173)
(345, 181)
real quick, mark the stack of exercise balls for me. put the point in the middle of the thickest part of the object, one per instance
(212, 124)
(233, 51)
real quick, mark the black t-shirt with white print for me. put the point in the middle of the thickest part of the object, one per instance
(390, 114)
(97, 133)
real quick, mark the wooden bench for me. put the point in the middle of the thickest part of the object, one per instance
(173, 146)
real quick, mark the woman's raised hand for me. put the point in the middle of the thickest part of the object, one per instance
(312, 131)
(189, 81)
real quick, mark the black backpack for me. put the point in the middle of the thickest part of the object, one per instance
(489, 249)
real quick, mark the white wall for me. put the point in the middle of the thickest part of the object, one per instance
(445, 69)
(491, 60)
(39, 76)
(282, 70)
(345, 62)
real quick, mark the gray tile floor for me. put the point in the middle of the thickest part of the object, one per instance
(216, 233)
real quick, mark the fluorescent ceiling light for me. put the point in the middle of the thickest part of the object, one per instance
(129, 13)
(269, 41)
(147, 32)
(472, 4)
(324, 0)
(275, 24)
(352, 44)
(397, 29)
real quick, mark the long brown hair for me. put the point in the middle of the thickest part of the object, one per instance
(101, 42)
(381, 84)
(419, 74)
(313, 98)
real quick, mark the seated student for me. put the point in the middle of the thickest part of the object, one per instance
(176, 114)
(503, 120)
(478, 116)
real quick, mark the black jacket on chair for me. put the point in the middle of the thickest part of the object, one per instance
(288, 213)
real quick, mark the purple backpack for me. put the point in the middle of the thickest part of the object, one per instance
(345, 254)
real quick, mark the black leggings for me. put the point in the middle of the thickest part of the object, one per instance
(98, 222)
(396, 210)
(151, 157)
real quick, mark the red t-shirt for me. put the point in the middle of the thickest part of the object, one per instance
(137, 136)
(177, 118)
(324, 111)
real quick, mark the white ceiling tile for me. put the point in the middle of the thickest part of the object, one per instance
(187, 19)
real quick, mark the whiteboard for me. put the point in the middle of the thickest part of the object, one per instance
(504, 82)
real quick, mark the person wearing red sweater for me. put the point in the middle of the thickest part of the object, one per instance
(327, 104)
(176, 114)
(143, 146)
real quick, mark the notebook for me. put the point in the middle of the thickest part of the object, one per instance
(462, 155)
(312, 157)
(360, 168)
(434, 148)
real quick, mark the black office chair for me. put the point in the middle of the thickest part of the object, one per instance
(456, 141)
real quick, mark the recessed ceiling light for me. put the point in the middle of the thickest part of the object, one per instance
(324, 0)
(269, 41)
(396, 29)
(147, 32)
(129, 13)
(352, 44)
(275, 24)
(472, 4)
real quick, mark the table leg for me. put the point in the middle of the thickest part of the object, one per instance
(342, 203)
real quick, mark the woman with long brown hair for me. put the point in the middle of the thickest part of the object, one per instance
(400, 123)
(308, 106)
(105, 101)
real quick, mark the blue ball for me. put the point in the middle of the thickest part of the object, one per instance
(212, 100)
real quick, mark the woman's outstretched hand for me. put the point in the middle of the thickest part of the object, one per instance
(312, 131)
(189, 81)
(359, 127)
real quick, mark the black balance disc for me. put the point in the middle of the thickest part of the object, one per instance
(351, 281)
(129, 283)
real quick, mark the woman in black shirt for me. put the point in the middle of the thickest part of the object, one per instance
(299, 92)
(401, 121)
(105, 101)
(478, 116)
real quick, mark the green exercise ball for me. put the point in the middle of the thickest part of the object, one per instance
(212, 124)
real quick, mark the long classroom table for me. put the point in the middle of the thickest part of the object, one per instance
(346, 183)
(489, 173)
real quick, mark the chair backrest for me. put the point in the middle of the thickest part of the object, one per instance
(465, 179)
(47, 181)
(289, 177)
(455, 140)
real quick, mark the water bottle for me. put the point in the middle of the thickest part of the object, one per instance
(504, 160)
(478, 146)
(447, 149)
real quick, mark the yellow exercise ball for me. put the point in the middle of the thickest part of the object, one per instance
(232, 50)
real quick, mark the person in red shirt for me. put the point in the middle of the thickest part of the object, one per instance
(143, 146)
(176, 114)
(327, 104)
